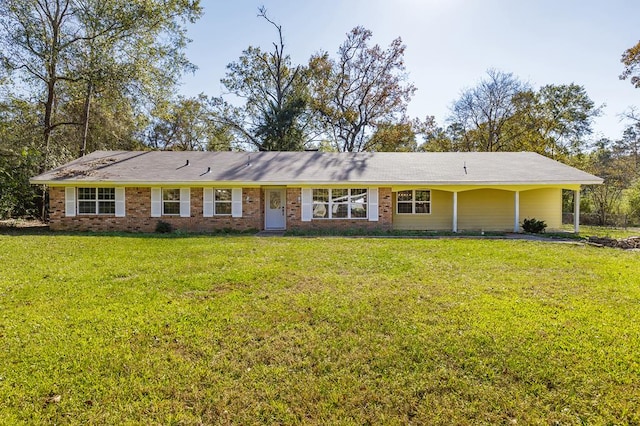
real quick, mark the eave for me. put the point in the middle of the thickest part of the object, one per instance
(464, 185)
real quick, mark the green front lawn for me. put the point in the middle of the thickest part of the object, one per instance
(186, 330)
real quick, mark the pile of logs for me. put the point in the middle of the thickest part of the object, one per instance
(624, 243)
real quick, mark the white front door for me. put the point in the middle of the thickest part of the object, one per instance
(274, 209)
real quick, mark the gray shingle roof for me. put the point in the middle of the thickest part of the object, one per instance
(281, 168)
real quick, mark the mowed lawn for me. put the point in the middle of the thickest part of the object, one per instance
(108, 329)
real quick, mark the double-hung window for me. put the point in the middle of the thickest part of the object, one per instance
(171, 202)
(413, 201)
(340, 203)
(96, 200)
(222, 202)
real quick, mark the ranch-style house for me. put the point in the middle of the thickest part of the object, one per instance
(207, 191)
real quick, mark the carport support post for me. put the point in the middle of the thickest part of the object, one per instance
(455, 212)
(576, 211)
(516, 221)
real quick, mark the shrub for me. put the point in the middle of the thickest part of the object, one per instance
(534, 226)
(163, 227)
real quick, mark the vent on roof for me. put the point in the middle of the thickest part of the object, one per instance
(207, 172)
(465, 167)
(248, 161)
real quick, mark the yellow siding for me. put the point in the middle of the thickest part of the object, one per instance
(440, 219)
(486, 209)
(542, 204)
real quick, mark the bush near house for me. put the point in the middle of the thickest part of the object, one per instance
(160, 329)
(534, 226)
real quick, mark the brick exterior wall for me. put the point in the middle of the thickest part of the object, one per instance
(294, 214)
(138, 214)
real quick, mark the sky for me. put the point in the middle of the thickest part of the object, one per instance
(450, 44)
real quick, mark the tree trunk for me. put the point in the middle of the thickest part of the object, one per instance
(85, 118)
(48, 118)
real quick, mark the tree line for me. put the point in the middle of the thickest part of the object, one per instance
(83, 75)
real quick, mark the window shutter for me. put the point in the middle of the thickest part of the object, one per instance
(156, 202)
(70, 201)
(307, 204)
(207, 202)
(120, 207)
(185, 202)
(236, 202)
(373, 204)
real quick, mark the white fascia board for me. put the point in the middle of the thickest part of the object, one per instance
(254, 184)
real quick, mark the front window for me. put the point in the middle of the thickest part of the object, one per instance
(221, 202)
(340, 203)
(96, 200)
(171, 202)
(413, 201)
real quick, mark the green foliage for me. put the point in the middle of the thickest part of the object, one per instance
(617, 174)
(533, 226)
(485, 113)
(17, 197)
(19, 159)
(632, 201)
(83, 75)
(393, 137)
(186, 124)
(361, 89)
(504, 114)
(203, 330)
(163, 227)
(275, 114)
(631, 61)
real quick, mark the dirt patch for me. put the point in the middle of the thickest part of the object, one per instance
(23, 225)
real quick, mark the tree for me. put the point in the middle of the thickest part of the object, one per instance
(68, 53)
(394, 137)
(504, 114)
(564, 117)
(629, 145)
(363, 88)
(132, 48)
(631, 61)
(19, 160)
(186, 124)
(274, 115)
(39, 40)
(609, 165)
(632, 199)
(484, 113)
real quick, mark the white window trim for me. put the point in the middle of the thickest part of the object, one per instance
(348, 204)
(209, 203)
(95, 200)
(215, 203)
(162, 201)
(413, 202)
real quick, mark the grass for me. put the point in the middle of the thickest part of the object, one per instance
(606, 231)
(114, 329)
